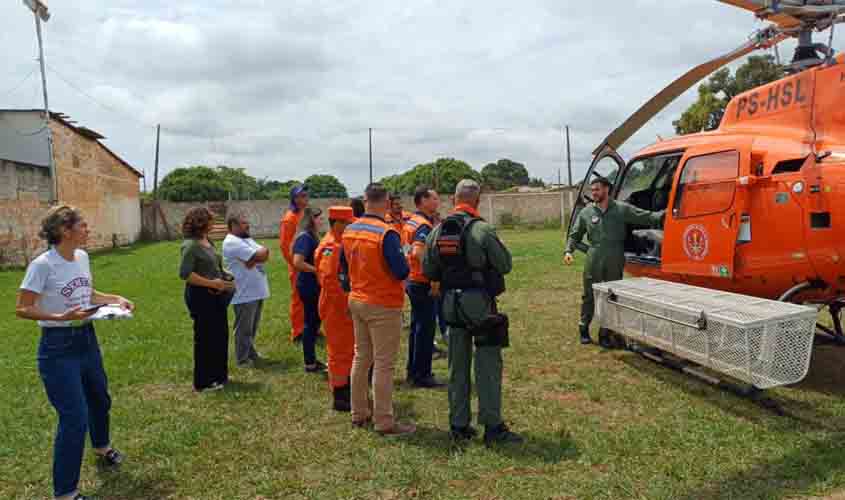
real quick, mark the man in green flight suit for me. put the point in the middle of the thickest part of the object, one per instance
(464, 254)
(603, 222)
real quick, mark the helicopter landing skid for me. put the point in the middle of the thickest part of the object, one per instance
(833, 335)
(750, 392)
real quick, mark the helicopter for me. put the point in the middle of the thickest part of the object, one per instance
(756, 206)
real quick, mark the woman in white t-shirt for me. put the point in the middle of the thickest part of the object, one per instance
(58, 292)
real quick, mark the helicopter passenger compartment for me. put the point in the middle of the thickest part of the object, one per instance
(647, 184)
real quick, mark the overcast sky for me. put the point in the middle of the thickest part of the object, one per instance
(288, 89)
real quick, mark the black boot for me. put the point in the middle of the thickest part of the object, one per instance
(342, 399)
(500, 434)
(462, 434)
(618, 341)
(604, 338)
(585, 335)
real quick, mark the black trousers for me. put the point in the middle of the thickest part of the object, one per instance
(310, 305)
(211, 336)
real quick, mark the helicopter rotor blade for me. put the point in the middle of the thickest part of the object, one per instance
(761, 8)
(765, 38)
(793, 14)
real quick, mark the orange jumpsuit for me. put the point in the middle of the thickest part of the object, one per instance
(334, 312)
(287, 230)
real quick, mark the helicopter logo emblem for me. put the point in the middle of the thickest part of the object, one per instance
(696, 242)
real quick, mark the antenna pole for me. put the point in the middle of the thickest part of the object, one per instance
(54, 185)
(371, 155)
(568, 158)
(155, 174)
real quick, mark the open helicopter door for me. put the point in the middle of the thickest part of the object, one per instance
(608, 164)
(704, 215)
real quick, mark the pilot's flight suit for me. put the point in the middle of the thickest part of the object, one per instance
(483, 250)
(606, 251)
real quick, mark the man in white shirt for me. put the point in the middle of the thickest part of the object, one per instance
(245, 259)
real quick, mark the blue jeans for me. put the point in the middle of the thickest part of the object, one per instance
(71, 367)
(421, 340)
(310, 303)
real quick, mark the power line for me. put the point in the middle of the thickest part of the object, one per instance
(14, 89)
(104, 106)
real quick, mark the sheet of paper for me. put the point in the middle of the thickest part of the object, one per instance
(111, 312)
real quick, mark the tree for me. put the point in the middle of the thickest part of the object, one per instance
(197, 183)
(242, 186)
(442, 175)
(714, 95)
(275, 190)
(505, 174)
(325, 186)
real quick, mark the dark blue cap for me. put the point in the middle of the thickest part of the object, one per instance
(294, 192)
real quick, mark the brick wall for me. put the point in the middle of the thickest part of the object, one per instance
(24, 197)
(96, 182)
(90, 178)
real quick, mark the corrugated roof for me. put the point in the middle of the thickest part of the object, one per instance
(83, 131)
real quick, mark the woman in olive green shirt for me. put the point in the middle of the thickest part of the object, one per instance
(207, 294)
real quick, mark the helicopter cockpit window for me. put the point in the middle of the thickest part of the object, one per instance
(647, 182)
(606, 168)
(707, 185)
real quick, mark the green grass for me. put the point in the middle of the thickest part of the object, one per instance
(598, 424)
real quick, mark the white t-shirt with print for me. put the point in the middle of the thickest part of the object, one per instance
(60, 284)
(250, 284)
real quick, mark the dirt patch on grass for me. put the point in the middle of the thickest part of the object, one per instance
(610, 414)
(163, 392)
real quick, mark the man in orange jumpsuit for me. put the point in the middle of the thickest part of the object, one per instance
(287, 231)
(334, 307)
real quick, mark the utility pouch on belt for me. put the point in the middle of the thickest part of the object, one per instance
(493, 331)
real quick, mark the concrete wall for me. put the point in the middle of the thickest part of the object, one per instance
(519, 209)
(23, 138)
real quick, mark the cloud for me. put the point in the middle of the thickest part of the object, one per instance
(287, 89)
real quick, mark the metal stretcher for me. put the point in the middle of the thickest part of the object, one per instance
(764, 343)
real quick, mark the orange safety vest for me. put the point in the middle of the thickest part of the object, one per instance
(398, 225)
(409, 231)
(369, 275)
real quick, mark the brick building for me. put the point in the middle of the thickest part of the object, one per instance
(88, 175)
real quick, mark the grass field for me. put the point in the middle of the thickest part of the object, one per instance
(598, 424)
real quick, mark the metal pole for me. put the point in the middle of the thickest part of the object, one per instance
(568, 157)
(54, 185)
(155, 174)
(371, 156)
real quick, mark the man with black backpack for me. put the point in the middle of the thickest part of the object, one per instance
(464, 254)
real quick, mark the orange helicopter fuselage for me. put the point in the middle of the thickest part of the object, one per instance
(778, 219)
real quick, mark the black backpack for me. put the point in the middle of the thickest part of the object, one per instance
(457, 273)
